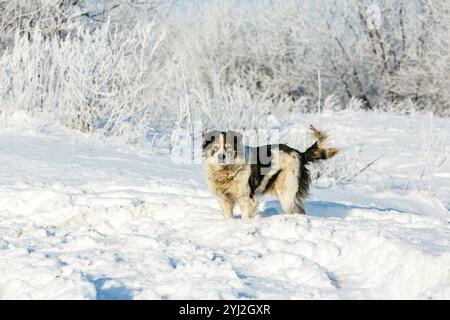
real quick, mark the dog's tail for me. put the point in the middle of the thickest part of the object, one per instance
(318, 151)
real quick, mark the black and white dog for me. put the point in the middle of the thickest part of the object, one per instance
(238, 173)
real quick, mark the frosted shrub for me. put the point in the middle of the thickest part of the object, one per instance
(134, 68)
(93, 81)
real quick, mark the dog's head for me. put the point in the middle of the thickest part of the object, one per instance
(222, 147)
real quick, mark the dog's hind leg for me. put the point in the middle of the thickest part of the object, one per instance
(227, 206)
(292, 205)
(291, 185)
(287, 189)
(249, 207)
(291, 201)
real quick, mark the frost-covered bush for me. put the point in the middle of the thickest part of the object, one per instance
(127, 68)
(98, 80)
(380, 52)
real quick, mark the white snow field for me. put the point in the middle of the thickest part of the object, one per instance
(81, 219)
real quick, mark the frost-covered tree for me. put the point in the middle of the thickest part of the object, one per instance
(126, 67)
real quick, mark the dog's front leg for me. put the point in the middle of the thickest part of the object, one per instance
(249, 207)
(227, 206)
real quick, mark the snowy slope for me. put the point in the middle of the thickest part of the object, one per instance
(81, 220)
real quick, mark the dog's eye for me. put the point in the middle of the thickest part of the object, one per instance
(214, 149)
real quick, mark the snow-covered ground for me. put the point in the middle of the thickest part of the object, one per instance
(83, 220)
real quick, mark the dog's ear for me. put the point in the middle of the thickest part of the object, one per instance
(235, 135)
(209, 137)
(235, 138)
(205, 140)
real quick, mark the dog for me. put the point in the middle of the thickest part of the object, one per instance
(237, 173)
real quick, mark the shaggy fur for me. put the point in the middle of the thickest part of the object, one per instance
(239, 174)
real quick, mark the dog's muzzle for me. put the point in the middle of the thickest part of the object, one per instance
(221, 157)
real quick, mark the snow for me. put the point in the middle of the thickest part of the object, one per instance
(81, 219)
